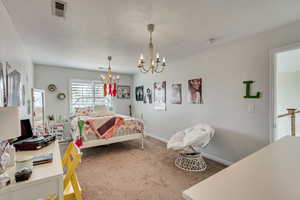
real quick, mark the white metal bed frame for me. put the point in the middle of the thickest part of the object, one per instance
(113, 139)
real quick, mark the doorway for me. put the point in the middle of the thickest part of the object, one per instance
(285, 92)
(38, 107)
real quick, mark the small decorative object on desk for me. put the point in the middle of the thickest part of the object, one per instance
(42, 158)
(7, 156)
(4, 180)
(24, 162)
(23, 175)
(24, 167)
(7, 159)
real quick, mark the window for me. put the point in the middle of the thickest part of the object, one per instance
(86, 94)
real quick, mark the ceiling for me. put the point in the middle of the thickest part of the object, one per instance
(94, 29)
(289, 61)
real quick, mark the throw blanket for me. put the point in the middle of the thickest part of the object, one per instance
(104, 127)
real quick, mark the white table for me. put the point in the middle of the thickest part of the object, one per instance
(272, 173)
(46, 179)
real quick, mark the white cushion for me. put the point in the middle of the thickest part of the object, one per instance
(101, 111)
(198, 135)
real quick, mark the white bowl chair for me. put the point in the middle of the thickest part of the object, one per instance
(188, 143)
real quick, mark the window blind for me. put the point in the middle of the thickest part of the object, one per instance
(86, 94)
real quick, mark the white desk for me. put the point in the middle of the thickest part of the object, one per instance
(46, 179)
(272, 173)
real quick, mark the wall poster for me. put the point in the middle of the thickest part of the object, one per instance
(14, 91)
(195, 91)
(160, 95)
(123, 92)
(139, 93)
(176, 94)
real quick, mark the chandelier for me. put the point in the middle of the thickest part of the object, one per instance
(155, 64)
(110, 81)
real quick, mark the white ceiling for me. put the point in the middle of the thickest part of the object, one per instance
(289, 61)
(94, 29)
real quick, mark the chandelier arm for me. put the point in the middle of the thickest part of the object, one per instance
(162, 68)
(143, 70)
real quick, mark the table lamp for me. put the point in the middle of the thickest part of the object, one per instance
(9, 123)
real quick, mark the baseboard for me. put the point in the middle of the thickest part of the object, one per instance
(157, 137)
(207, 155)
(217, 159)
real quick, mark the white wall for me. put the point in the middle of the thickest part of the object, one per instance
(13, 52)
(223, 69)
(287, 97)
(60, 76)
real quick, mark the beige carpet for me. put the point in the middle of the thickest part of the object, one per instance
(124, 171)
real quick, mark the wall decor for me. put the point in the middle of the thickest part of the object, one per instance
(110, 81)
(51, 87)
(2, 86)
(61, 96)
(195, 91)
(23, 95)
(123, 92)
(176, 94)
(248, 91)
(13, 79)
(160, 95)
(149, 95)
(28, 107)
(139, 93)
(130, 110)
(145, 98)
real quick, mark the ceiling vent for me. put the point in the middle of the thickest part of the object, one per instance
(59, 8)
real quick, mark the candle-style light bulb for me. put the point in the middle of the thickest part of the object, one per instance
(157, 55)
(141, 57)
(164, 60)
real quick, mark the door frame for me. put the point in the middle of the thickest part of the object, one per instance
(33, 114)
(273, 86)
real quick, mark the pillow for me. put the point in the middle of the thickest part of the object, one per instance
(100, 108)
(83, 111)
(101, 111)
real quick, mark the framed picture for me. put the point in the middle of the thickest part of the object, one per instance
(123, 92)
(160, 95)
(149, 95)
(139, 93)
(195, 91)
(14, 91)
(176, 94)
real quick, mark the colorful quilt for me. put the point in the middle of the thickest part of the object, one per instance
(106, 127)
